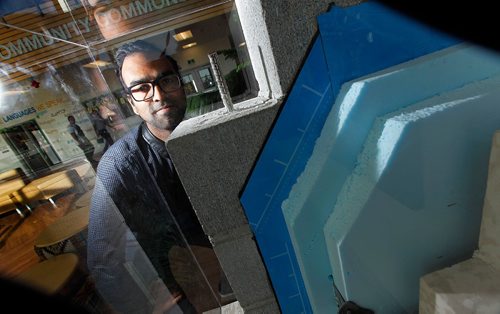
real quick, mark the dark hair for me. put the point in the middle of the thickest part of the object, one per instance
(139, 46)
(69, 117)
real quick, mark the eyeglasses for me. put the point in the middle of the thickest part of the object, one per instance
(146, 91)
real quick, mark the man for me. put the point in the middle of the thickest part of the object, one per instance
(138, 194)
(100, 125)
(81, 140)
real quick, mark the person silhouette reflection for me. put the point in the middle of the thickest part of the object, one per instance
(100, 125)
(81, 140)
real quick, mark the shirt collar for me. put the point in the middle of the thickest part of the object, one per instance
(156, 144)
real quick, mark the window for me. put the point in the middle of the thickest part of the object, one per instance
(63, 106)
(189, 84)
(206, 78)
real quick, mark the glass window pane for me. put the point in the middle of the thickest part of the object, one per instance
(64, 110)
(189, 84)
(206, 78)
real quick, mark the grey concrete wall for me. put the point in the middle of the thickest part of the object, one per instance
(213, 155)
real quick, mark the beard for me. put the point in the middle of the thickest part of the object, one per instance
(168, 120)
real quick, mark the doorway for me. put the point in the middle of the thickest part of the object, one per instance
(31, 146)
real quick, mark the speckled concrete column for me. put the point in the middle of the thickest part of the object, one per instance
(214, 154)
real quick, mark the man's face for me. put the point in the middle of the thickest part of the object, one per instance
(71, 120)
(165, 110)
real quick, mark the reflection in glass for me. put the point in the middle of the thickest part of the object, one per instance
(57, 59)
(189, 84)
(31, 146)
(206, 78)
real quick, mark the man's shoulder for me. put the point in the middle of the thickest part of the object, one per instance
(116, 165)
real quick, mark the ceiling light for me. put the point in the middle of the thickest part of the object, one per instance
(13, 92)
(189, 45)
(64, 6)
(183, 36)
(97, 64)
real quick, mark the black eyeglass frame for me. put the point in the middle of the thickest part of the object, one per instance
(154, 83)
